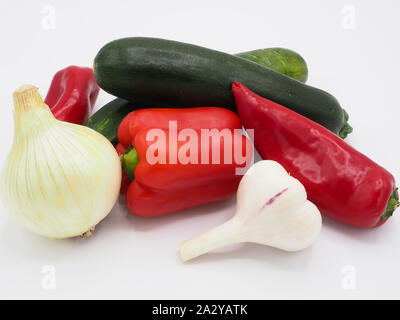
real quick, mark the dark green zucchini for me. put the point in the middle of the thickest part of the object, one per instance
(156, 72)
(107, 119)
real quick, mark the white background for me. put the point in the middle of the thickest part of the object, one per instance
(132, 257)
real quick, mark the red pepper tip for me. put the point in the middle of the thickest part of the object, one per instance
(236, 84)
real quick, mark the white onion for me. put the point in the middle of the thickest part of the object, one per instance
(60, 179)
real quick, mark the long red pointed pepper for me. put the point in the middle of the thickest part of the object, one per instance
(343, 183)
(72, 94)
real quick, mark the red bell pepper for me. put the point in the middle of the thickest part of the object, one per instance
(195, 118)
(72, 94)
(343, 183)
(162, 188)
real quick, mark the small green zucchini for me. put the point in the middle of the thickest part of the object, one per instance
(283, 60)
(107, 119)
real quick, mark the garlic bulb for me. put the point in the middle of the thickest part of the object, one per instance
(272, 209)
(60, 179)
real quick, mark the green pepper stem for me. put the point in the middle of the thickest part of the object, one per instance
(347, 128)
(392, 205)
(129, 162)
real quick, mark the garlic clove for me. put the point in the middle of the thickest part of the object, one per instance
(275, 205)
(272, 209)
